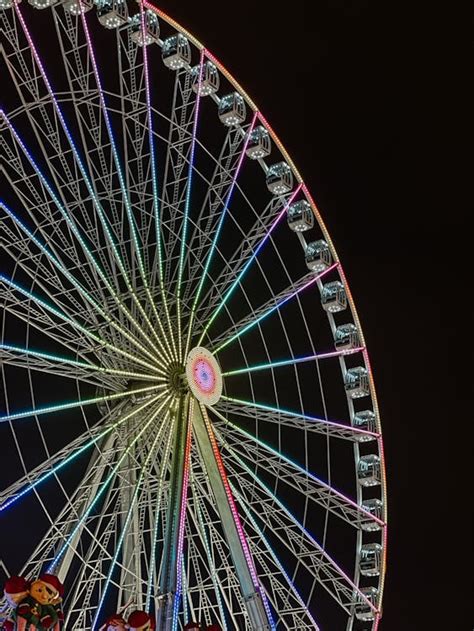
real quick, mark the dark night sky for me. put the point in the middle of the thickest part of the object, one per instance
(355, 91)
(351, 88)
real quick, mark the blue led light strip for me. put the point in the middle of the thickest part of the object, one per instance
(73, 323)
(186, 208)
(77, 233)
(123, 533)
(74, 455)
(154, 179)
(264, 315)
(247, 265)
(78, 286)
(110, 477)
(218, 230)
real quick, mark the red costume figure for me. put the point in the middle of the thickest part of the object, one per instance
(213, 627)
(16, 588)
(192, 626)
(140, 621)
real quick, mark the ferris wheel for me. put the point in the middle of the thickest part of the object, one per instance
(187, 396)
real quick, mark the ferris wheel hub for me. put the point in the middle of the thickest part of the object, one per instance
(204, 375)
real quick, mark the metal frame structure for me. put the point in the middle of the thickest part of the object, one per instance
(138, 224)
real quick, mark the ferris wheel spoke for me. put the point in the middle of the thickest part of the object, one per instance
(76, 326)
(187, 202)
(126, 523)
(292, 361)
(60, 407)
(211, 251)
(87, 179)
(227, 579)
(265, 506)
(285, 598)
(269, 414)
(256, 604)
(272, 305)
(85, 248)
(54, 464)
(174, 184)
(220, 184)
(162, 474)
(64, 556)
(154, 180)
(137, 245)
(28, 359)
(286, 471)
(238, 264)
(61, 290)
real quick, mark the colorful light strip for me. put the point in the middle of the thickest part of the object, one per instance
(305, 417)
(79, 364)
(291, 362)
(77, 453)
(77, 285)
(230, 499)
(231, 289)
(68, 406)
(76, 232)
(164, 463)
(123, 533)
(83, 171)
(73, 323)
(273, 555)
(53, 565)
(250, 325)
(218, 231)
(344, 499)
(154, 180)
(186, 207)
(327, 557)
(131, 219)
(182, 520)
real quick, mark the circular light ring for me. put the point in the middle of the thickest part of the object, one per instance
(204, 376)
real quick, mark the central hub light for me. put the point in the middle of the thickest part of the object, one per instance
(204, 376)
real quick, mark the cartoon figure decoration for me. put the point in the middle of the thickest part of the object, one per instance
(37, 604)
(140, 621)
(192, 626)
(213, 627)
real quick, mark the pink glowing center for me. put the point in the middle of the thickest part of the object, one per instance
(204, 375)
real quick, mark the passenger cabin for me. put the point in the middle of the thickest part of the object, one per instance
(366, 421)
(205, 81)
(112, 13)
(259, 144)
(333, 297)
(370, 559)
(374, 507)
(368, 470)
(363, 610)
(318, 256)
(356, 382)
(148, 32)
(176, 52)
(279, 178)
(232, 110)
(346, 337)
(300, 216)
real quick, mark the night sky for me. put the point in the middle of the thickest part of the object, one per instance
(349, 86)
(356, 91)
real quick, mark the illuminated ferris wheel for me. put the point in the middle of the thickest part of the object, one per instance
(186, 387)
